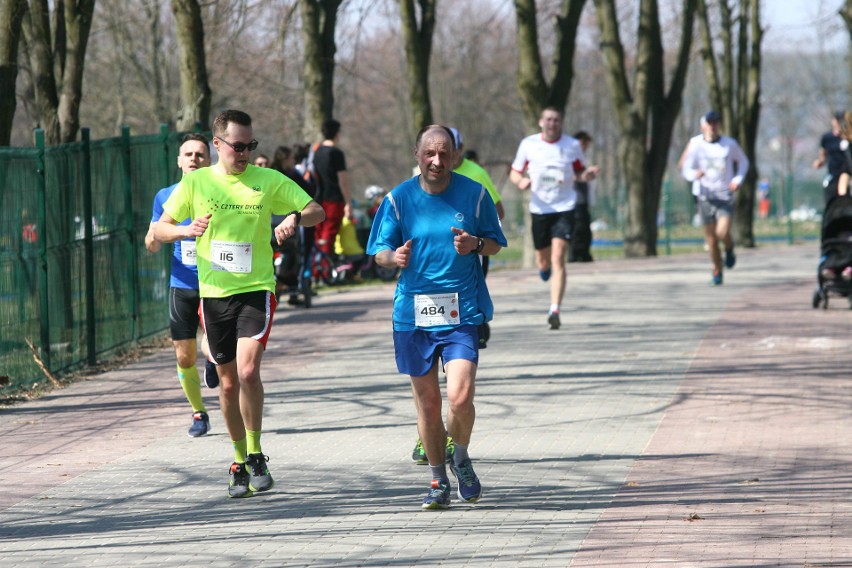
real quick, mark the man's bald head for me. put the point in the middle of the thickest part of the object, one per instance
(433, 129)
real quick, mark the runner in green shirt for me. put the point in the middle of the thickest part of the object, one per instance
(231, 205)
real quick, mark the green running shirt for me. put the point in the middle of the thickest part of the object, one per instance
(235, 253)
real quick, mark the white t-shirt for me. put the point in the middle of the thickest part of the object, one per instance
(552, 166)
(722, 162)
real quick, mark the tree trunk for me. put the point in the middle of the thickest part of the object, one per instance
(195, 91)
(738, 92)
(78, 24)
(534, 91)
(846, 13)
(749, 117)
(646, 116)
(319, 20)
(418, 52)
(11, 16)
(37, 43)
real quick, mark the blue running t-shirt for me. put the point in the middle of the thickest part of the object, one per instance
(410, 213)
(184, 267)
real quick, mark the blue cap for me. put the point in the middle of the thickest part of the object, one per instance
(712, 116)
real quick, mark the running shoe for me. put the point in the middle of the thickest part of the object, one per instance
(200, 425)
(238, 485)
(470, 490)
(211, 375)
(553, 320)
(418, 454)
(484, 335)
(847, 273)
(544, 274)
(717, 279)
(730, 258)
(259, 477)
(438, 496)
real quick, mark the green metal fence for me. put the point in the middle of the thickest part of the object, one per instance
(75, 278)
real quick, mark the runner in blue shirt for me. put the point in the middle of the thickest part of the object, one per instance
(194, 153)
(433, 227)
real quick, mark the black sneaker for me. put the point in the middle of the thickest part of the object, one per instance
(259, 477)
(484, 335)
(553, 320)
(239, 481)
(730, 258)
(200, 425)
(211, 375)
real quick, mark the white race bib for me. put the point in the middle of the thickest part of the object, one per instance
(188, 255)
(230, 257)
(549, 183)
(436, 309)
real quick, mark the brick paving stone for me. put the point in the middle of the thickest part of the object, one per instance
(659, 398)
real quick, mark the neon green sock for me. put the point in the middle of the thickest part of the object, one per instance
(253, 439)
(191, 384)
(239, 450)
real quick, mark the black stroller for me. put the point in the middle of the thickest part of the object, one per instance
(292, 278)
(834, 274)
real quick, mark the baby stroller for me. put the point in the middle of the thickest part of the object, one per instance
(291, 277)
(834, 274)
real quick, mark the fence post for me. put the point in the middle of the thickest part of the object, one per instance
(789, 199)
(88, 249)
(165, 166)
(164, 134)
(43, 311)
(132, 252)
(667, 197)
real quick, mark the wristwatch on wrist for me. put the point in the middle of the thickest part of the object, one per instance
(480, 244)
(298, 215)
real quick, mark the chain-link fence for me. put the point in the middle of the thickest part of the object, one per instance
(75, 278)
(788, 208)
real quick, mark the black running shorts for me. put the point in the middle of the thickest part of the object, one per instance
(711, 210)
(549, 226)
(183, 313)
(225, 320)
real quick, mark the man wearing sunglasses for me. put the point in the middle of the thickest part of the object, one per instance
(231, 204)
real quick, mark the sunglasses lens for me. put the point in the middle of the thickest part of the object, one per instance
(240, 147)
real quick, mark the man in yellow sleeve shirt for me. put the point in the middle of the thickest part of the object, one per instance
(231, 204)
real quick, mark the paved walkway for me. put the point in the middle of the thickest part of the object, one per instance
(668, 423)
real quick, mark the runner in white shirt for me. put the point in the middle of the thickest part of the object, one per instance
(552, 161)
(717, 165)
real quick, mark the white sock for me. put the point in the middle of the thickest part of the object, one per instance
(554, 308)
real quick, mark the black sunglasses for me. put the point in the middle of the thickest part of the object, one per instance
(240, 147)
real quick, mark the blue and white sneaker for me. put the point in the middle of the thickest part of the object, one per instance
(211, 375)
(200, 425)
(470, 490)
(438, 496)
(545, 274)
(717, 279)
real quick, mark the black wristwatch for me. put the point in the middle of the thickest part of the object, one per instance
(480, 244)
(298, 215)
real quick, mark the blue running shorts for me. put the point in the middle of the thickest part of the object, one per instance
(417, 351)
